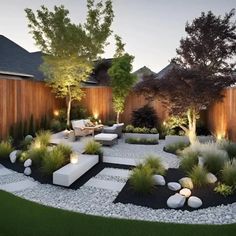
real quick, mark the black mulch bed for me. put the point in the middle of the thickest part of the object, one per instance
(158, 197)
(36, 174)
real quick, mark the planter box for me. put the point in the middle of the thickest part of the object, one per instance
(138, 135)
(170, 139)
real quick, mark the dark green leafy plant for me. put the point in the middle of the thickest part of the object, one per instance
(144, 117)
(129, 129)
(148, 141)
(141, 179)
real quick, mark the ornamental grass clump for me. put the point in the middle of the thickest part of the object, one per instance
(43, 137)
(174, 147)
(229, 147)
(141, 179)
(229, 173)
(5, 149)
(93, 148)
(198, 176)
(66, 150)
(189, 159)
(214, 160)
(52, 161)
(155, 164)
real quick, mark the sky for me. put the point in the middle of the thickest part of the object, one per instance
(151, 29)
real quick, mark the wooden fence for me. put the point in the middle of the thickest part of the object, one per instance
(19, 98)
(222, 116)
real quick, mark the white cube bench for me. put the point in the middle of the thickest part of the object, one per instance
(106, 139)
(68, 174)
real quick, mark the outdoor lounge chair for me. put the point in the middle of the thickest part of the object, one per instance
(79, 128)
(115, 129)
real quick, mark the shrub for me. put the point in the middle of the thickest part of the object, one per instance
(229, 173)
(55, 125)
(198, 176)
(224, 189)
(141, 179)
(144, 117)
(36, 154)
(229, 147)
(174, 147)
(5, 149)
(78, 112)
(66, 151)
(155, 164)
(189, 159)
(52, 161)
(93, 148)
(214, 160)
(153, 131)
(110, 122)
(43, 137)
(129, 129)
(141, 141)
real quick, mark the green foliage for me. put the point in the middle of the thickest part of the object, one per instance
(141, 179)
(153, 131)
(110, 122)
(65, 150)
(69, 49)
(36, 154)
(144, 117)
(229, 147)
(175, 147)
(25, 144)
(155, 164)
(129, 129)
(141, 140)
(43, 137)
(122, 81)
(189, 159)
(93, 148)
(55, 125)
(224, 189)
(198, 175)
(5, 149)
(78, 112)
(229, 173)
(52, 161)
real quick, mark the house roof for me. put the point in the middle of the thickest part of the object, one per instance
(143, 73)
(161, 74)
(15, 59)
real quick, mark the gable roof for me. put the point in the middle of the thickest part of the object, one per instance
(15, 59)
(161, 74)
(144, 72)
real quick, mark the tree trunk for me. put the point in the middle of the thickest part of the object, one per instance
(192, 120)
(117, 117)
(68, 108)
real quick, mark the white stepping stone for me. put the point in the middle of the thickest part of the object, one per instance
(18, 186)
(4, 171)
(122, 161)
(115, 172)
(105, 184)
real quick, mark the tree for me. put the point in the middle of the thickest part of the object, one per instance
(201, 71)
(69, 49)
(121, 78)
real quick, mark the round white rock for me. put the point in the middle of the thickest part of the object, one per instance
(13, 156)
(28, 163)
(194, 202)
(174, 186)
(176, 201)
(185, 192)
(159, 180)
(27, 171)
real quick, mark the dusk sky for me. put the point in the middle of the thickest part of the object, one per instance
(151, 29)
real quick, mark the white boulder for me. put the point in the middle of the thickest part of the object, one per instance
(13, 156)
(28, 163)
(194, 202)
(186, 182)
(27, 171)
(159, 180)
(176, 201)
(185, 192)
(211, 178)
(174, 186)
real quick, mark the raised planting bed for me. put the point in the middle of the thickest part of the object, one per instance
(141, 136)
(142, 141)
(157, 199)
(170, 139)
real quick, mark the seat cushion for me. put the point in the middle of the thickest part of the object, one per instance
(105, 137)
(77, 124)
